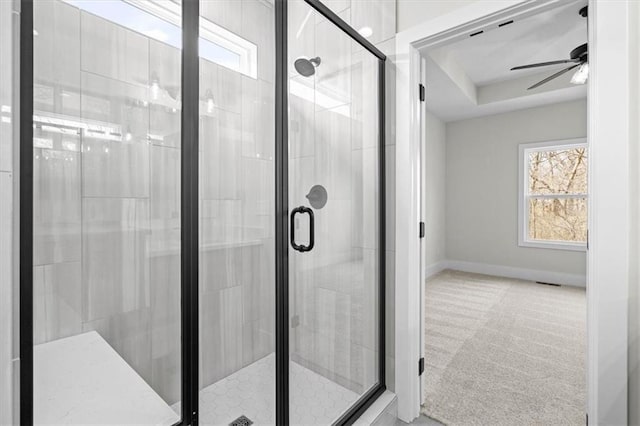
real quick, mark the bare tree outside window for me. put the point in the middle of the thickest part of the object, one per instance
(557, 194)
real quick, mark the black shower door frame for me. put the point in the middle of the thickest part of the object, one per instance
(189, 213)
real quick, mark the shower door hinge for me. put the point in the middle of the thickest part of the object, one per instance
(421, 366)
(422, 92)
(421, 232)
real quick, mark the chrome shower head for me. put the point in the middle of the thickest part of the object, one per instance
(307, 67)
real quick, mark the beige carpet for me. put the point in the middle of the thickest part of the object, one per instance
(501, 351)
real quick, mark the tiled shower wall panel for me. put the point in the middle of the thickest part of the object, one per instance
(8, 352)
(237, 286)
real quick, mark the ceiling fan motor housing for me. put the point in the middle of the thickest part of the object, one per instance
(580, 53)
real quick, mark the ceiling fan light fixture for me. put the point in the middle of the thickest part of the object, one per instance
(581, 75)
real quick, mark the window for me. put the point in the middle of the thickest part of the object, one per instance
(553, 195)
(161, 20)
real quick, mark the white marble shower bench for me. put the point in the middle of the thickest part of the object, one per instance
(82, 380)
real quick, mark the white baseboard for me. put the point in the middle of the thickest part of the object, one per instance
(575, 280)
(434, 268)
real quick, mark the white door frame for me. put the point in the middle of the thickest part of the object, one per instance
(608, 257)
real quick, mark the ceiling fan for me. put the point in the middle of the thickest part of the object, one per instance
(578, 58)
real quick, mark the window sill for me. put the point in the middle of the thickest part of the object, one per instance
(554, 245)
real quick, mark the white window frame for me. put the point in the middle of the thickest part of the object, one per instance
(523, 193)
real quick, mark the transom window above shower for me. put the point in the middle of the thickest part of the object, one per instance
(161, 20)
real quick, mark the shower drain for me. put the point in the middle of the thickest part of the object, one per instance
(241, 421)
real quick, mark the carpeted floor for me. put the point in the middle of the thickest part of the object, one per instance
(501, 351)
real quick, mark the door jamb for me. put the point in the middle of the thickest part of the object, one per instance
(606, 311)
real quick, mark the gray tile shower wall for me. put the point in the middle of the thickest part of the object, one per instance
(8, 218)
(237, 276)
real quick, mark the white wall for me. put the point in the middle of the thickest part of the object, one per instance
(434, 193)
(412, 12)
(482, 188)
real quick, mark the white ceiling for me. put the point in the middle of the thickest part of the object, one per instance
(471, 77)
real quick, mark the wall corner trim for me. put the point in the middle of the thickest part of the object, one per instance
(435, 268)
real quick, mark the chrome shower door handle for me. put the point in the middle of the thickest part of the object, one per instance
(302, 248)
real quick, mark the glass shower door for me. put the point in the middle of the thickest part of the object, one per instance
(334, 212)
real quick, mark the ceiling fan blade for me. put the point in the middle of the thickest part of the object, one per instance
(544, 64)
(551, 77)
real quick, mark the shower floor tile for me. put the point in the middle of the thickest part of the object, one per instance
(315, 400)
